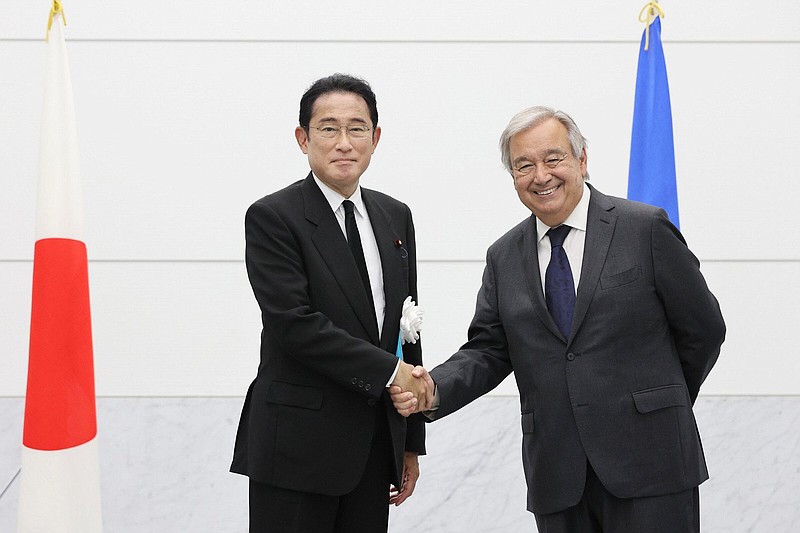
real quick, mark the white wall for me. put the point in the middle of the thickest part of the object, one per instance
(186, 113)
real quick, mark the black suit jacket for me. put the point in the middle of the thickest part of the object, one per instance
(309, 415)
(619, 391)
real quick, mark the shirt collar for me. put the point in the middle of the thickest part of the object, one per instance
(577, 219)
(335, 199)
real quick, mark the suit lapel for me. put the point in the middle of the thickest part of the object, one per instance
(332, 246)
(393, 256)
(599, 230)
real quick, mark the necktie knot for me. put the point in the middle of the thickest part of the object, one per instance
(558, 235)
(348, 207)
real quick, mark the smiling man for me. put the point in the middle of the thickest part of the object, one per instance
(600, 310)
(330, 264)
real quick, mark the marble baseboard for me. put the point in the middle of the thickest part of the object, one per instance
(164, 465)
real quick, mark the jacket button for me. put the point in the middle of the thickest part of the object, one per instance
(354, 381)
(360, 383)
(570, 356)
(367, 386)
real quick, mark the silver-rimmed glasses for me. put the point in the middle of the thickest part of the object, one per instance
(354, 131)
(527, 167)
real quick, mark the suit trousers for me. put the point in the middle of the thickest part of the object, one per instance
(599, 511)
(363, 510)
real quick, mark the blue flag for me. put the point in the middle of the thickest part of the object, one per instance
(651, 175)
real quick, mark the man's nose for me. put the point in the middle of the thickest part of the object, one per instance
(541, 174)
(343, 140)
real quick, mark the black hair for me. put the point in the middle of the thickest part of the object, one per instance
(337, 83)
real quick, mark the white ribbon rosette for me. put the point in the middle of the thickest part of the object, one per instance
(410, 321)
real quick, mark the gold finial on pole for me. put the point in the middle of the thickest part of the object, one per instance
(57, 9)
(646, 15)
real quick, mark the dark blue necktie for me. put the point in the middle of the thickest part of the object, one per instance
(559, 287)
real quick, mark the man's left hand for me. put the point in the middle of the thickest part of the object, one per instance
(398, 495)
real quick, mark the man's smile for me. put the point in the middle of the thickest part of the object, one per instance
(548, 192)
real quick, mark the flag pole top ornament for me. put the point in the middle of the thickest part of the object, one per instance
(646, 16)
(57, 9)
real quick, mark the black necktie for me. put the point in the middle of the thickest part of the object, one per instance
(559, 287)
(354, 240)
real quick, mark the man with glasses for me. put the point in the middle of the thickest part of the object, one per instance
(600, 310)
(330, 264)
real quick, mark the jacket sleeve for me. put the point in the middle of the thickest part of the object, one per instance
(483, 362)
(692, 311)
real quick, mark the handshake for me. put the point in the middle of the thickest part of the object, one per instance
(412, 390)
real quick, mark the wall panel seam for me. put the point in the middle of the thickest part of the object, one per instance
(419, 261)
(405, 41)
(488, 395)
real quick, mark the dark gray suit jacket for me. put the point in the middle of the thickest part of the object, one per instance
(309, 415)
(619, 391)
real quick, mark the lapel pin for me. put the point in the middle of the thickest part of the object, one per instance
(398, 243)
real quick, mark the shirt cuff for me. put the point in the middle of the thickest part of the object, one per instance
(394, 374)
(431, 413)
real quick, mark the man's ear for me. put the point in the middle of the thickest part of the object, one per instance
(302, 138)
(375, 138)
(584, 166)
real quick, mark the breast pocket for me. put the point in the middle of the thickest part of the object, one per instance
(622, 278)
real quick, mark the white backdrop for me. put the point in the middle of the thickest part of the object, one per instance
(186, 112)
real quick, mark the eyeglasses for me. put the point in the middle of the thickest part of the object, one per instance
(356, 131)
(551, 162)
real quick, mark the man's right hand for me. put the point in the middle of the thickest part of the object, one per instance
(412, 390)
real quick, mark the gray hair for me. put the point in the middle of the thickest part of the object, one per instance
(533, 116)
